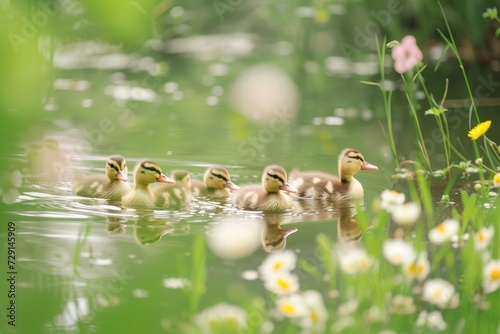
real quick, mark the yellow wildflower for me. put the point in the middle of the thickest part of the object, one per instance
(479, 130)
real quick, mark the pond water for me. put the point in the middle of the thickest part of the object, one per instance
(90, 266)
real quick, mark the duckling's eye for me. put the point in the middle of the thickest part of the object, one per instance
(113, 166)
(357, 157)
(151, 168)
(219, 176)
(276, 177)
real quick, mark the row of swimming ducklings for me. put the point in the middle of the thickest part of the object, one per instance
(179, 189)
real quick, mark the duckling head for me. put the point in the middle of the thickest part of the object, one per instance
(275, 179)
(148, 172)
(352, 161)
(218, 178)
(116, 168)
(182, 177)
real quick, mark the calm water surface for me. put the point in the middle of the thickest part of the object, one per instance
(86, 265)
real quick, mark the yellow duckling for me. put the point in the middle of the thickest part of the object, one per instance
(268, 196)
(319, 185)
(175, 195)
(216, 183)
(46, 161)
(112, 185)
(145, 173)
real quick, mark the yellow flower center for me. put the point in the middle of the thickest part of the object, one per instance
(411, 268)
(496, 178)
(495, 274)
(231, 321)
(438, 294)
(480, 236)
(288, 309)
(277, 266)
(314, 316)
(441, 228)
(420, 269)
(283, 284)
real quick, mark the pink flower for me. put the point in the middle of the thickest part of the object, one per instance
(406, 54)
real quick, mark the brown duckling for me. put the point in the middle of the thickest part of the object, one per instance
(174, 195)
(318, 185)
(268, 195)
(216, 183)
(112, 185)
(145, 173)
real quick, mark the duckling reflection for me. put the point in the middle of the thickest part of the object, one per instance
(116, 225)
(273, 236)
(149, 233)
(348, 230)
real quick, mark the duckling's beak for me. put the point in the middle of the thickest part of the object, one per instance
(289, 188)
(122, 176)
(286, 233)
(165, 179)
(367, 166)
(231, 185)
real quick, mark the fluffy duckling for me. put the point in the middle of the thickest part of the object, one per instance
(46, 161)
(111, 185)
(319, 185)
(175, 195)
(145, 173)
(216, 183)
(266, 197)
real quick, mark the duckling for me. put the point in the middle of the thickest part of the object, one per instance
(112, 185)
(145, 173)
(175, 195)
(266, 197)
(216, 183)
(46, 162)
(317, 185)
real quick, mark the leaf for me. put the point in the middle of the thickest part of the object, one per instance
(497, 32)
(490, 13)
(420, 70)
(436, 111)
(198, 272)
(371, 83)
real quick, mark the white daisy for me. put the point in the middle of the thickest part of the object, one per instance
(291, 306)
(438, 292)
(444, 231)
(397, 251)
(419, 268)
(496, 180)
(354, 260)
(232, 241)
(402, 305)
(282, 283)
(278, 262)
(431, 320)
(391, 199)
(316, 315)
(406, 214)
(491, 276)
(222, 318)
(483, 238)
